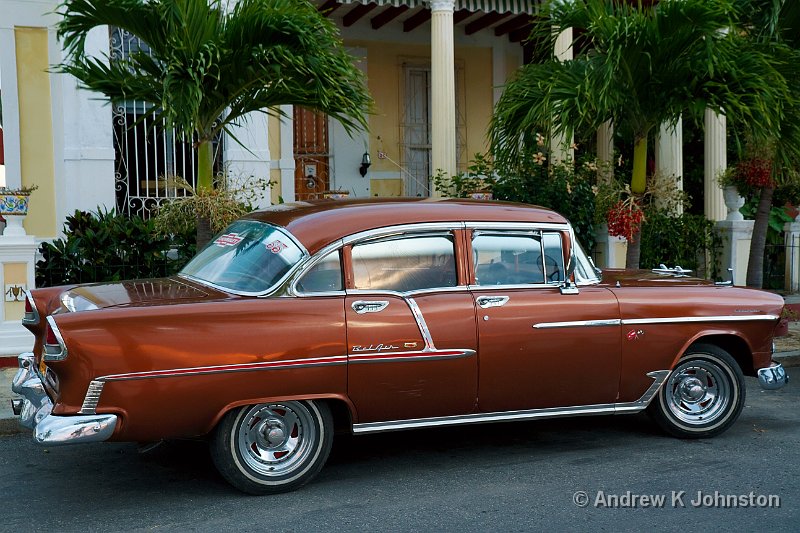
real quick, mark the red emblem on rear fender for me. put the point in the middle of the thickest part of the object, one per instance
(634, 334)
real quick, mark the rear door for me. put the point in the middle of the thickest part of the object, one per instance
(410, 328)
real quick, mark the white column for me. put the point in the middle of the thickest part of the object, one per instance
(443, 102)
(605, 150)
(669, 154)
(715, 162)
(792, 240)
(560, 146)
(286, 162)
(246, 166)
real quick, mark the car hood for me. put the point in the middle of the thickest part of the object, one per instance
(648, 278)
(136, 293)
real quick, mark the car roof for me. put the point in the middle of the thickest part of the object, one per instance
(316, 223)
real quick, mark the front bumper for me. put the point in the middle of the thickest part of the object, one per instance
(773, 377)
(34, 410)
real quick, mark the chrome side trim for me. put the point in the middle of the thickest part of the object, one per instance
(659, 377)
(425, 355)
(687, 319)
(421, 324)
(92, 398)
(579, 324)
(222, 369)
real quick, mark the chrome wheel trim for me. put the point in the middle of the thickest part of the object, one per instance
(698, 392)
(275, 439)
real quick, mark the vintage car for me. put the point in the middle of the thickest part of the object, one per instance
(305, 319)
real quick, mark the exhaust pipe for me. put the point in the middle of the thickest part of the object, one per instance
(16, 406)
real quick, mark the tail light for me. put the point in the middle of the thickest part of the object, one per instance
(54, 347)
(31, 317)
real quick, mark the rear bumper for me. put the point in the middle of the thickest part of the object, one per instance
(34, 410)
(772, 377)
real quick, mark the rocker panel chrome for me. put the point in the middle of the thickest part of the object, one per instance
(659, 377)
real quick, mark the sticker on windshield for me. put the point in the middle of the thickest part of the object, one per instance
(276, 247)
(229, 239)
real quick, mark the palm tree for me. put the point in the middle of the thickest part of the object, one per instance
(211, 63)
(638, 66)
(775, 26)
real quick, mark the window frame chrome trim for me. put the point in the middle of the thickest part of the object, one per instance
(523, 226)
(659, 378)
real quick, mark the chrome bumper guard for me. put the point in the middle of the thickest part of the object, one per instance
(34, 410)
(773, 377)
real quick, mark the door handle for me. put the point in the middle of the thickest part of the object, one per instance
(491, 301)
(369, 306)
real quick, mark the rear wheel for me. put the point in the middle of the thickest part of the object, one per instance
(703, 395)
(273, 447)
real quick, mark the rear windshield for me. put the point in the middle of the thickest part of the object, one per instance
(248, 257)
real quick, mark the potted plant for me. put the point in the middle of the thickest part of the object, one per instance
(15, 201)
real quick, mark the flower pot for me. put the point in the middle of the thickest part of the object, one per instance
(733, 202)
(14, 204)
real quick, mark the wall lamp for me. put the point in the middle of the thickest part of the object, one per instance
(365, 164)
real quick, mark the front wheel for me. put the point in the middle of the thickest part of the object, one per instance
(273, 447)
(703, 395)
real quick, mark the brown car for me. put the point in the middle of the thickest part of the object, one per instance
(366, 316)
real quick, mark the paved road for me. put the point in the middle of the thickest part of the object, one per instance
(503, 477)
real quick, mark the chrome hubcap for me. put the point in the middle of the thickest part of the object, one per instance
(273, 439)
(698, 392)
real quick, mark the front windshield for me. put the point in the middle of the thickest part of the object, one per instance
(248, 257)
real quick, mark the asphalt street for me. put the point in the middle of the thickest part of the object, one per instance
(581, 474)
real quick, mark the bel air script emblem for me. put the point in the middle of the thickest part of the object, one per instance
(374, 348)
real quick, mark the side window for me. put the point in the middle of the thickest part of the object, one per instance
(507, 259)
(325, 276)
(405, 263)
(513, 259)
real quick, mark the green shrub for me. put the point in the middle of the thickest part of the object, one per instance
(686, 240)
(106, 246)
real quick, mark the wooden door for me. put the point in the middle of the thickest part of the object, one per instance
(311, 156)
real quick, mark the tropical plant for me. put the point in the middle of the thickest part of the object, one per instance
(640, 66)
(773, 26)
(210, 63)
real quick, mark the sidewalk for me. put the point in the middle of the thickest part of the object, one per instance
(787, 352)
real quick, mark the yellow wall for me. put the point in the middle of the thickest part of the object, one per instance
(36, 129)
(14, 274)
(385, 62)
